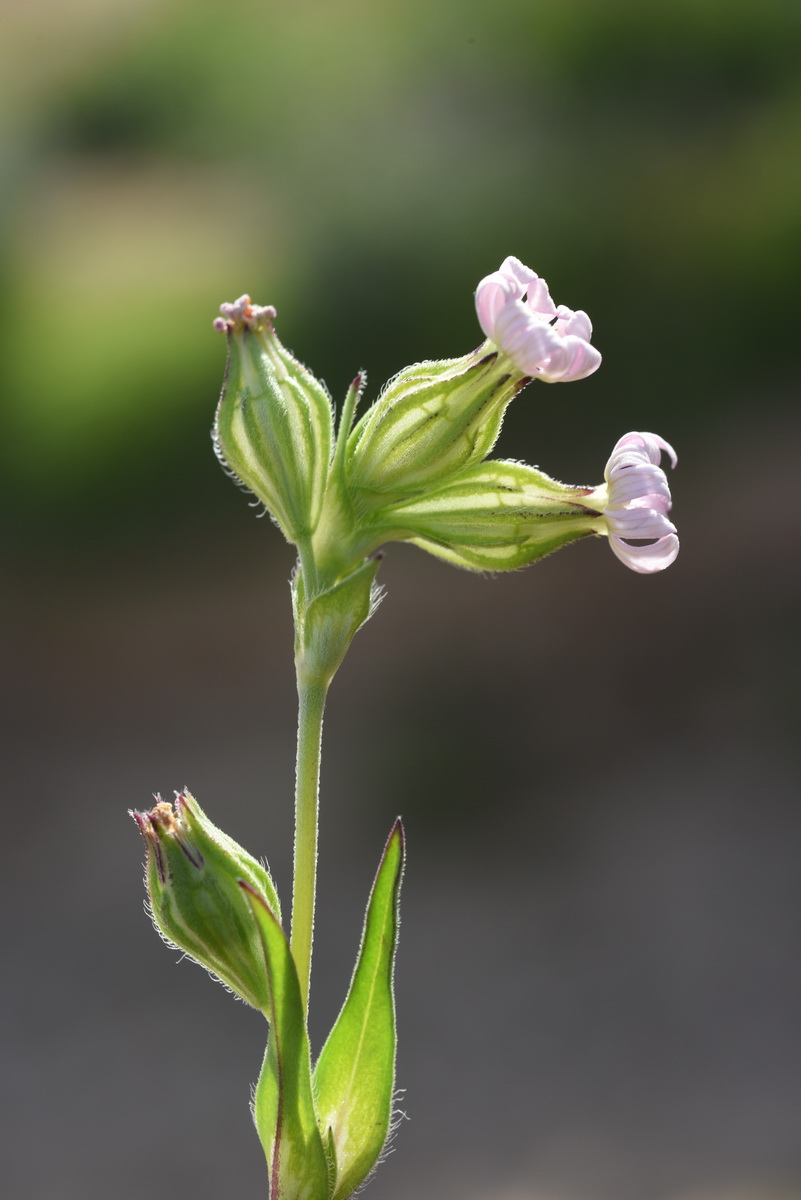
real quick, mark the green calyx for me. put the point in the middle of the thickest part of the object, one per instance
(193, 875)
(273, 425)
(430, 422)
(494, 516)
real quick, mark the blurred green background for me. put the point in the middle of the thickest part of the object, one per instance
(598, 975)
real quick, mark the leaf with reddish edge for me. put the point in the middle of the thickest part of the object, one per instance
(284, 1109)
(354, 1079)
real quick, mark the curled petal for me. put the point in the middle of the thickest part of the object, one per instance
(539, 298)
(573, 322)
(638, 501)
(528, 342)
(503, 287)
(636, 443)
(639, 521)
(516, 312)
(630, 481)
(523, 275)
(573, 359)
(493, 295)
(648, 559)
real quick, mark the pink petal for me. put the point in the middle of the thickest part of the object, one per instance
(638, 503)
(646, 560)
(659, 502)
(527, 341)
(573, 359)
(639, 523)
(647, 445)
(492, 295)
(628, 483)
(573, 322)
(539, 298)
(514, 269)
(515, 311)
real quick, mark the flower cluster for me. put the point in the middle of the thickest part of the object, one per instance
(415, 467)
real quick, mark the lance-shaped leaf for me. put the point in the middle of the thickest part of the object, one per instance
(284, 1106)
(355, 1076)
(326, 625)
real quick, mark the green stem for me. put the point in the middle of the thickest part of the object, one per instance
(311, 706)
(308, 566)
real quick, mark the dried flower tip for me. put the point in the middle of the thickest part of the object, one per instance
(243, 314)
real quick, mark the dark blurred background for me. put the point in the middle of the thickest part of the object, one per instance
(598, 977)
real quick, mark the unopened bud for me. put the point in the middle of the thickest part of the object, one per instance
(272, 429)
(193, 875)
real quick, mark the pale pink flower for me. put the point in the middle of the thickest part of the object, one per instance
(635, 502)
(516, 312)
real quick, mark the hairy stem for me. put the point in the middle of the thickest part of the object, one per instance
(311, 705)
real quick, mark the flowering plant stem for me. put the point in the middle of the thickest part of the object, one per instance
(311, 706)
(413, 469)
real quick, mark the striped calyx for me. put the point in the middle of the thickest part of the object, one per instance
(431, 421)
(494, 516)
(273, 427)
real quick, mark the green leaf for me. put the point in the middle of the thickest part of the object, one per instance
(284, 1106)
(326, 625)
(355, 1076)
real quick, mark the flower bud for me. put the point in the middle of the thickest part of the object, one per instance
(495, 516)
(272, 430)
(431, 421)
(193, 872)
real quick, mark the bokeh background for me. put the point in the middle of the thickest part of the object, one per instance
(598, 978)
